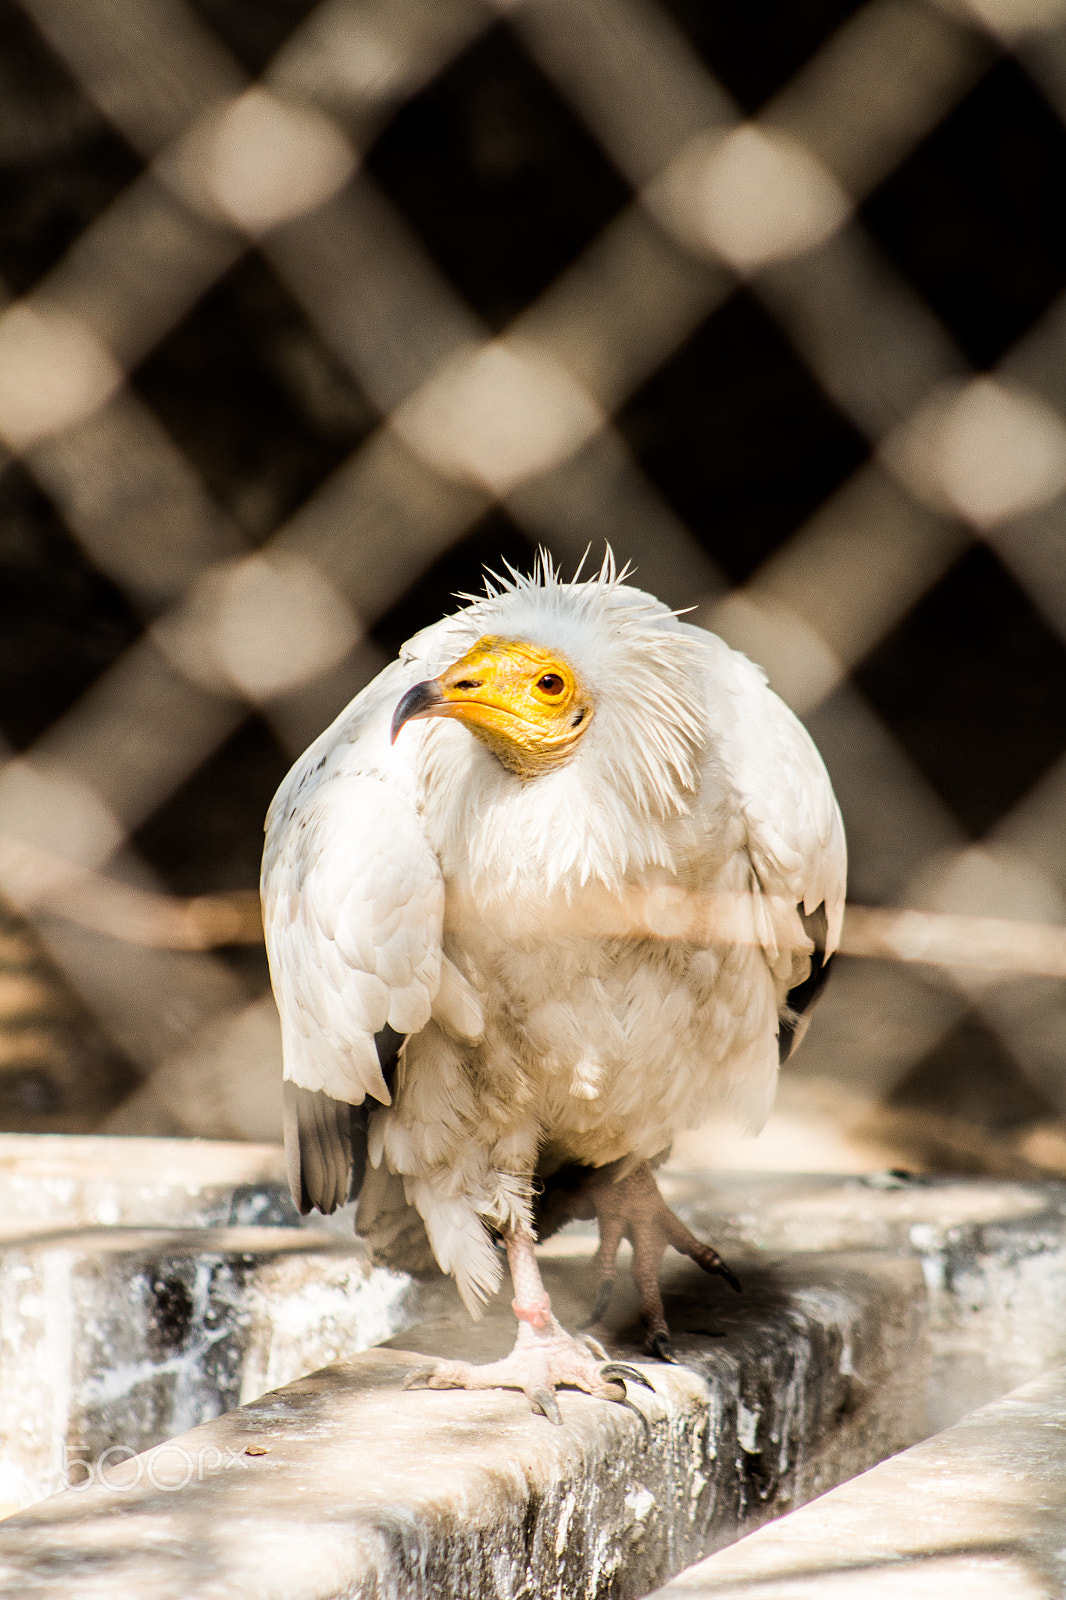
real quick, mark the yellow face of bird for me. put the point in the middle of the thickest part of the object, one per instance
(527, 704)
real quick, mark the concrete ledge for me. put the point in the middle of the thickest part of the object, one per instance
(976, 1513)
(149, 1284)
(117, 1338)
(993, 1255)
(875, 1311)
(91, 1180)
(356, 1487)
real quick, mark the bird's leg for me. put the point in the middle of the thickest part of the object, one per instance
(544, 1357)
(632, 1207)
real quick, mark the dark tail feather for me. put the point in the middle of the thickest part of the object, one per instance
(796, 1015)
(318, 1147)
(325, 1139)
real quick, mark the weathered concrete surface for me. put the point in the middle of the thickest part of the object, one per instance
(117, 1338)
(750, 1212)
(124, 1322)
(70, 1181)
(993, 1255)
(976, 1513)
(370, 1490)
(170, 1313)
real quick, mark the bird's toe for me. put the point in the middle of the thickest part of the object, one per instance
(716, 1268)
(618, 1375)
(419, 1378)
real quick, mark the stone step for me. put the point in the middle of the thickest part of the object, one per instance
(975, 1513)
(117, 1338)
(875, 1311)
(149, 1284)
(993, 1255)
(92, 1180)
(346, 1484)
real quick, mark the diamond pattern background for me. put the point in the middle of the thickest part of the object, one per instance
(312, 308)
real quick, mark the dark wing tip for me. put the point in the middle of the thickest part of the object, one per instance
(795, 1015)
(318, 1148)
(326, 1139)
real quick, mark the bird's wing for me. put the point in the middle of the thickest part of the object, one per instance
(795, 835)
(795, 831)
(353, 905)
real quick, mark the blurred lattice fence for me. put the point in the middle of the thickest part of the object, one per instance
(311, 309)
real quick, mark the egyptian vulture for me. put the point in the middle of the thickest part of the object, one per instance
(560, 882)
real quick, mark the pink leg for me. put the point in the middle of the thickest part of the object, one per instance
(544, 1357)
(531, 1302)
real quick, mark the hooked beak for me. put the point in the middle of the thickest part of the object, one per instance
(422, 701)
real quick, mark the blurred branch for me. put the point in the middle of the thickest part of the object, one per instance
(164, 922)
(203, 922)
(36, 880)
(992, 944)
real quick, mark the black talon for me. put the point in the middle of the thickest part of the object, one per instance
(594, 1347)
(544, 1401)
(730, 1277)
(419, 1379)
(659, 1345)
(627, 1374)
(637, 1412)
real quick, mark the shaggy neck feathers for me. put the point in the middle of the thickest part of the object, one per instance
(599, 816)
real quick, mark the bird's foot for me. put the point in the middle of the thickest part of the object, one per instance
(545, 1358)
(632, 1207)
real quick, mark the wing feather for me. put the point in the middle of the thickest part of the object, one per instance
(793, 828)
(318, 1148)
(353, 904)
(353, 899)
(326, 1139)
(353, 910)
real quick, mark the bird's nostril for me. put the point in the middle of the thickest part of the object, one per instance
(467, 683)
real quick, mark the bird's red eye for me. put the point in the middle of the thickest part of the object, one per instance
(551, 683)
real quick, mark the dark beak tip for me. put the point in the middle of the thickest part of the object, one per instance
(417, 702)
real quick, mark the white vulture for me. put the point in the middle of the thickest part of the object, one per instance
(562, 881)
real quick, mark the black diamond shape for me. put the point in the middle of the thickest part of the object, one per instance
(975, 217)
(253, 32)
(208, 837)
(61, 622)
(755, 48)
(739, 437)
(460, 570)
(495, 172)
(254, 397)
(973, 684)
(60, 162)
(972, 1076)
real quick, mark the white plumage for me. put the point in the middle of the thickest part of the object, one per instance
(583, 961)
